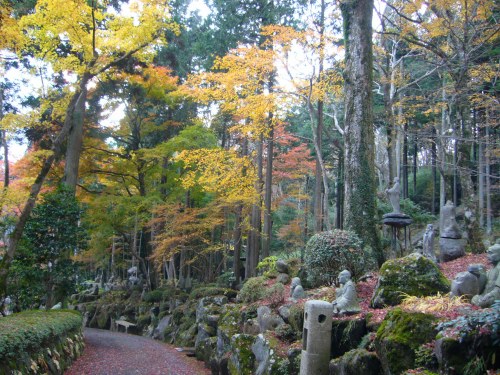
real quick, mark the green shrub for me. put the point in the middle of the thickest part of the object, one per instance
(328, 253)
(154, 296)
(268, 266)
(253, 290)
(296, 318)
(286, 333)
(30, 330)
(212, 291)
(226, 279)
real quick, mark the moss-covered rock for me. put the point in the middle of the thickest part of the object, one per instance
(267, 361)
(356, 362)
(399, 336)
(212, 291)
(413, 275)
(346, 335)
(205, 349)
(242, 359)
(296, 318)
(229, 325)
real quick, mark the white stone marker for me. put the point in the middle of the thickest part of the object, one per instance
(316, 338)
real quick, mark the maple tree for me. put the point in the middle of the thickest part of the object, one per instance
(87, 40)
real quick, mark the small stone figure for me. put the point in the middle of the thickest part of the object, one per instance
(479, 271)
(465, 284)
(393, 195)
(492, 289)
(346, 301)
(296, 289)
(428, 245)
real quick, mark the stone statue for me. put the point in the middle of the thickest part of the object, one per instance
(492, 289)
(296, 289)
(346, 301)
(393, 195)
(428, 245)
(449, 227)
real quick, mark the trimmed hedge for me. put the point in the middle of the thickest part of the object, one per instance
(26, 337)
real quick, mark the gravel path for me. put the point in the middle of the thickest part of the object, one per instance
(114, 353)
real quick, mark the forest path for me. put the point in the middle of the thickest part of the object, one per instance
(114, 353)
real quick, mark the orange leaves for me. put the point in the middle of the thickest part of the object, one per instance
(178, 228)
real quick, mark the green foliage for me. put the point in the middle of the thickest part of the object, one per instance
(296, 318)
(212, 291)
(285, 332)
(268, 266)
(43, 266)
(226, 279)
(422, 196)
(412, 209)
(30, 330)
(154, 296)
(328, 253)
(253, 289)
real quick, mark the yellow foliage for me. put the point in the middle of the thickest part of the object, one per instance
(222, 172)
(72, 24)
(432, 304)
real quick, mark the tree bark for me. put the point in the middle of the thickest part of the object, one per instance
(267, 230)
(359, 173)
(75, 142)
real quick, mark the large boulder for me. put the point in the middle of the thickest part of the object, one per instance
(267, 319)
(346, 335)
(465, 284)
(451, 248)
(242, 359)
(469, 342)
(413, 275)
(399, 336)
(356, 362)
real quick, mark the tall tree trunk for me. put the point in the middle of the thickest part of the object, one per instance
(237, 238)
(318, 173)
(434, 171)
(75, 142)
(340, 192)
(254, 238)
(267, 230)
(405, 161)
(359, 173)
(487, 150)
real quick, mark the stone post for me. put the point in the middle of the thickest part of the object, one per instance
(317, 338)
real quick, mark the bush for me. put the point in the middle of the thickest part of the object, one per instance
(268, 266)
(253, 290)
(30, 330)
(276, 295)
(328, 253)
(212, 291)
(154, 296)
